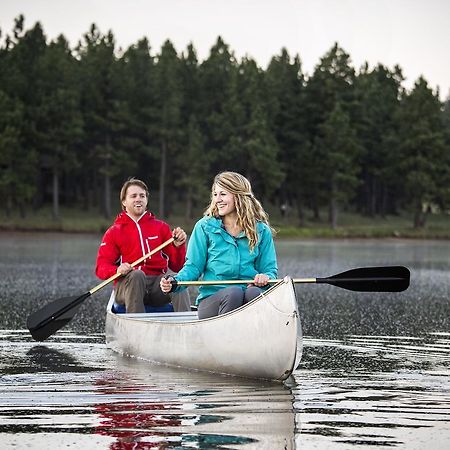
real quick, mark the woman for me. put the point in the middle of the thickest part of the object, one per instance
(233, 241)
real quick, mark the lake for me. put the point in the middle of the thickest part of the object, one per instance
(374, 373)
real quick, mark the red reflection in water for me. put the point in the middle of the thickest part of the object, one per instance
(131, 422)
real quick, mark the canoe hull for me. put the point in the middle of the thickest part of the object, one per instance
(259, 340)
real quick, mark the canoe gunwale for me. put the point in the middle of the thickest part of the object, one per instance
(153, 317)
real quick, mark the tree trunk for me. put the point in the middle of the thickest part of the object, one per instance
(162, 179)
(188, 213)
(8, 205)
(333, 211)
(300, 211)
(55, 195)
(420, 217)
(85, 194)
(383, 201)
(373, 197)
(38, 199)
(23, 211)
(315, 209)
(107, 199)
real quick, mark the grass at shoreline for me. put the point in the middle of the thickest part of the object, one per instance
(350, 225)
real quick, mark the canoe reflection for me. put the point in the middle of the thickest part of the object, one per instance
(150, 406)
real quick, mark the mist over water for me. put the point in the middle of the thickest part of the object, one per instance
(375, 367)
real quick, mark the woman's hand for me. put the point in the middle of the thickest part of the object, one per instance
(261, 279)
(165, 284)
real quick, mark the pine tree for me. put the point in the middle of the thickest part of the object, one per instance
(375, 114)
(423, 166)
(105, 117)
(331, 83)
(258, 148)
(169, 133)
(444, 198)
(194, 176)
(138, 72)
(339, 148)
(221, 110)
(284, 83)
(59, 119)
(21, 59)
(17, 164)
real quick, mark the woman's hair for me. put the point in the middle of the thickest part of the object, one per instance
(249, 210)
(127, 184)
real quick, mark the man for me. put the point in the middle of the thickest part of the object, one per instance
(135, 233)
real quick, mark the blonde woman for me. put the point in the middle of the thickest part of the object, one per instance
(233, 241)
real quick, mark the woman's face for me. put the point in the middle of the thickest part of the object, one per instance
(224, 201)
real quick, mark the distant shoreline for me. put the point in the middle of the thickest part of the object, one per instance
(283, 232)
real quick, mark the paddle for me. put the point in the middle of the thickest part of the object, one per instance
(363, 279)
(53, 316)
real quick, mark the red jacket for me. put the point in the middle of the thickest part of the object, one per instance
(127, 241)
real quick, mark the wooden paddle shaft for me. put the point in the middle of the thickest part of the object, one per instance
(135, 263)
(212, 282)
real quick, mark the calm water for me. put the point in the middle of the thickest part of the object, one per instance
(375, 370)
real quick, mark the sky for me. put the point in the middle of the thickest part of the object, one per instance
(415, 34)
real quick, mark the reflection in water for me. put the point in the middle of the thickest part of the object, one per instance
(133, 404)
(152, 405)
(158, 419)
(46, 359)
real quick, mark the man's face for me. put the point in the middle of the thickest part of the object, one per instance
(135, 202)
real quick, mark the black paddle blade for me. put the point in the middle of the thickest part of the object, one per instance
(53, 316)
(371, 279)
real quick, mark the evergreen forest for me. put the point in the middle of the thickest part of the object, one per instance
(75, 123)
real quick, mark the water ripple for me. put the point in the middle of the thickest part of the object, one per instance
(381, 396)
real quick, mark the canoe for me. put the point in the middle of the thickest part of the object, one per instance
(260, 340)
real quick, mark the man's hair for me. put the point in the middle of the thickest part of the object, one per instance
(131, 182)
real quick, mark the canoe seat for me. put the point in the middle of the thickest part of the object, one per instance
(120, 309)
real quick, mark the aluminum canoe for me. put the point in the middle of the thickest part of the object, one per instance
(261, 339)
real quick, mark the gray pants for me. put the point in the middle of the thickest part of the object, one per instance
(137, 289)
(226, 300)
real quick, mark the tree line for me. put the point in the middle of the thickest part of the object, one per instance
(76, 122)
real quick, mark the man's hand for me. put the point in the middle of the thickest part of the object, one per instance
(180, 236)
(124, 268)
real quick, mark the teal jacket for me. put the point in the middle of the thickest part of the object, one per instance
(213, 254)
